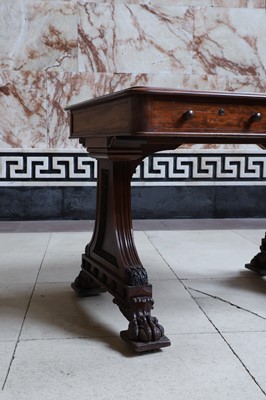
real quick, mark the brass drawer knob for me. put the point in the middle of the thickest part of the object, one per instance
(188, 114)
(255, 117)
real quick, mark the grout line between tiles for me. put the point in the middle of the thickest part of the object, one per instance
(243, 236)
(231, 348)
(212, 323)
(25, 316)
(223, 300)
(109, 336)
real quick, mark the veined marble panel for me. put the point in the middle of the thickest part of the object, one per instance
(38, 35)
(160, 2)
(135, 38)
(191, 3)
(230, 42)
(116, 1)
(239, 3)
(70, 88)
(26, 123)
(246, 84)
(23, 109)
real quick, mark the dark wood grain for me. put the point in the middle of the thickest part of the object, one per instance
(119, 130)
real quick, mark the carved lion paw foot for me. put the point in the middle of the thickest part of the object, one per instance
(142, 326)
(145, 329)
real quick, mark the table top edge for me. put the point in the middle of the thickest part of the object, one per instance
(149, 90)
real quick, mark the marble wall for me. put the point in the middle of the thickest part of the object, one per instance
(56, 53)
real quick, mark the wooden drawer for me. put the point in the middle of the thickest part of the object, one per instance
(203, 117)
(175, 116)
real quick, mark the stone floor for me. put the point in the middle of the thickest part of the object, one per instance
(55, 345)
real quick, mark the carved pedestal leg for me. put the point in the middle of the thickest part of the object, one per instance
(258, 263)
(144, 332)
(111, 260)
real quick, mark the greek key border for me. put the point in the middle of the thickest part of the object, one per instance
(161, 169)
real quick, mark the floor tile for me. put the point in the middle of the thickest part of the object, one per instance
(68, 241)
(57, 312)
(155, 265)
(61, 267)
(250, 347)
(20, 269)
(69, 347)
(21, 257)
(193, 368)
(14, 300)
(254, 235)
(6, 351)
(23, 243)
(229, 318)
(176, 310)
(247, 293)
(203, 253)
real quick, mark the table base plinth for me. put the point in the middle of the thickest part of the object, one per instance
(141, 347)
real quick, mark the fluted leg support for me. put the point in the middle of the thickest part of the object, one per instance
(111, 261)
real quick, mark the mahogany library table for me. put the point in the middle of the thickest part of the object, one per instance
(120, 130)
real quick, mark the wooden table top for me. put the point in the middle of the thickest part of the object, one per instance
(189, 116)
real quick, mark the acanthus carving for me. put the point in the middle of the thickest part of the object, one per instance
(136, 276)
